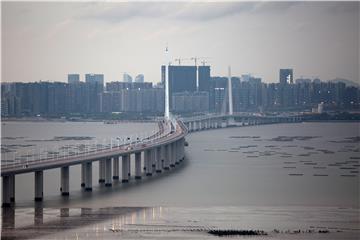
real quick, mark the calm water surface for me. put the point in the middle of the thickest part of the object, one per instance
(286, 176)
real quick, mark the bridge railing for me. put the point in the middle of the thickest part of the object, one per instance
(120, 143)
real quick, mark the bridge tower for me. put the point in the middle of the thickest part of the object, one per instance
(231, 120)
(230, 92)
(167, 95)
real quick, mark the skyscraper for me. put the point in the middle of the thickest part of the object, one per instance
(94, 87)
(127, 78)
(94, 78)
(286, 76)
(139, 78)
(181, 79)
(73, 78)
(204, 78)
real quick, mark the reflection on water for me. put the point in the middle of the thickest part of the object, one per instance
(17, 223)
(178, 222)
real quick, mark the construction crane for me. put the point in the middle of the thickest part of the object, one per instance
(204, 62)
(180, 59)
(198, 58)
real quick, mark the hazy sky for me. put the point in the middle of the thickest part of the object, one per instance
(46, 41)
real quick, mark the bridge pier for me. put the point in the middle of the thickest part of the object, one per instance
(88, 176)
(12, 188)
(108, 170)
(194, 123)
(129, 166)
(182, 155)
(172, 154)
(101, 171)
(64, 187)
(116, 168)
(83, 167)
(177, 144)
(148, 163)
(138, 165)
(167, 157)
(179, 150)
(153, 160)
(6, 191)
(125, 168)
(158, 159)
(39, 186)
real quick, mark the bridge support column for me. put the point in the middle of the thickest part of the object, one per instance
(125, 168)
(167, 157)
(138, 165)
(83, 167)
(39, 185)
(108, 170)
(181, 147)
(129, 166)
(88, 176)
(177, 152)
(6, 191)
(172, 158)
(12, 188)
(116, 168)
(147, 162)
(101, 171)
(182, 143)
(64, 187)
(153, 160)
(158, 159)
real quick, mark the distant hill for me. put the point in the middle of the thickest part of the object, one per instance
(346, 81)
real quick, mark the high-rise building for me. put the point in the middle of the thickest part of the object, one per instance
(204, 78)
(116, 86)
(181, 79)
(286, 76)
(185, 102)
(139, 78)
(94, 78)
(73, 78)
(127, 78)
(94, 87)
(245, 77)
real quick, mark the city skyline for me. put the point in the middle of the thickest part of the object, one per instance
(255, 38)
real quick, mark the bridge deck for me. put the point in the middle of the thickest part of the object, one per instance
(50, 163)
